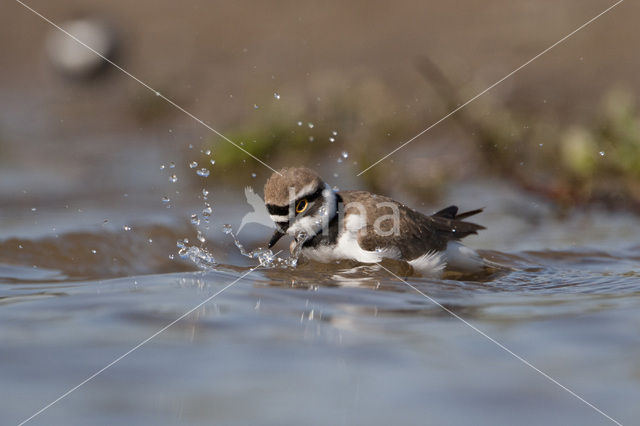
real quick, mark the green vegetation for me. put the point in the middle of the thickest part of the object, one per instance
(575, 163)
(594, 161)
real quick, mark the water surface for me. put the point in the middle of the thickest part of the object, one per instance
(318, 344)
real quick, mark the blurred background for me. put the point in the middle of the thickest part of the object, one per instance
(102, 180)
(332, 86)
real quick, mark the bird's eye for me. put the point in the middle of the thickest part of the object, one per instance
(302, 205)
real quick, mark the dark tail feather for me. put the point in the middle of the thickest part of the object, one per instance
(451, 212)
(448, 212)
(469, 213)
(448, 222)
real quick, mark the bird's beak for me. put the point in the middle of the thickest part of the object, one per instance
(277, 234)
(275, 237)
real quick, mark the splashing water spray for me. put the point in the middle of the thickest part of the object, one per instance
(265, 256)
(204, 259)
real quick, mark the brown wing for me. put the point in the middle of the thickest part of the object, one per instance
(416, 233)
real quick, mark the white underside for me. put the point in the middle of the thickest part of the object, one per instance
(457, 256)
(347, 247)
(462, 258)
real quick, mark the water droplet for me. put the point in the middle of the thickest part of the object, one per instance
(193, 164)
(33, 209)
(332, 140)
(157, 93)
(335, 175)
(203, 172)
(207, 152)
(195, 219)
(255, 106)
(253, 175)
(310, 125)
(150, 240)
(540, 145)
(126, 228)
(94, 251)
(226, 228)
(334, 133)
(601, 153)
(165, 199)
(345, 154)
(212, 161)
(172, 165)
(162, 167)
(311, 138)
(207, 211)
(299, 123)
(171, 257)
(173, 178)
(205, 192)
(277, 96)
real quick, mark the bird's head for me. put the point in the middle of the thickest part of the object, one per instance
(298, 200)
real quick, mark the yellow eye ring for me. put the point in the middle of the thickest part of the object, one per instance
(302, 205)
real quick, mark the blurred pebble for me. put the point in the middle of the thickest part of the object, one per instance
(73, 59)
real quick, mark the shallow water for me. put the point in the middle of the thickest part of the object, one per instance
(317, 344)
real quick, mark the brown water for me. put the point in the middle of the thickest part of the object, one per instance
(316, 344)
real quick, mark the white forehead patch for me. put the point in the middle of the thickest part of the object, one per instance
(305, 190)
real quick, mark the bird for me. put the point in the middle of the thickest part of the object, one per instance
(259, 215)
(332, 225)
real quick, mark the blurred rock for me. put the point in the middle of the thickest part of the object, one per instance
(75, 60)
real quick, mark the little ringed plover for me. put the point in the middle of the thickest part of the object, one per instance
(366, 227)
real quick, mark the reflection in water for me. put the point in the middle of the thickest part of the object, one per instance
(314, 335)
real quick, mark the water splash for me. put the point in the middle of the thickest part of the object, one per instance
(265, 256)
(200, 256)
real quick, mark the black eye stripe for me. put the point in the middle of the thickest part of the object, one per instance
(284, 210)
(315, 195)
(278, 210)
